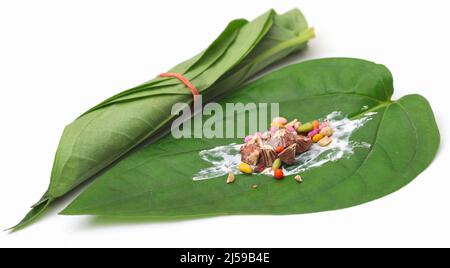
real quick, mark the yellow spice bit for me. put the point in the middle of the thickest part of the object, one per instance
(317, 137)
(245, 168)
(277, 124)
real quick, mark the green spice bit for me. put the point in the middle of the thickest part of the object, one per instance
(305, 127)
(276, 164)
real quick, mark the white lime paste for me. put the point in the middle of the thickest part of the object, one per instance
(226, 159)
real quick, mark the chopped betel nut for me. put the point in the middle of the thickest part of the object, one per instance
(268, 155)
(298, 178)
(282, 138)
(230, 178)
(326, 131)
(259, 168)
(288, 155)
(325, 141)
(269, 151)
(254, 186)
(303, 144)
(250, 153)
(294, 123)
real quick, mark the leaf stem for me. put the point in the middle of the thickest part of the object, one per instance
(374, 108)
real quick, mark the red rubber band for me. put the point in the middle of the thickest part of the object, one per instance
(183, 80)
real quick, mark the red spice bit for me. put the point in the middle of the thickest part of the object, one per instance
(260, 168)
(278, 174)
(279, 149)
(316, 124)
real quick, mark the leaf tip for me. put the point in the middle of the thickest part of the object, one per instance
(33, 215)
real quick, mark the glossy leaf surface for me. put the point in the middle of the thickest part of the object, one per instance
(157, 180)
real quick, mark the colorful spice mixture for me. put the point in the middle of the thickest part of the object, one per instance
(270, 151)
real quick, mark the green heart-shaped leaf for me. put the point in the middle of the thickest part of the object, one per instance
(404, 138)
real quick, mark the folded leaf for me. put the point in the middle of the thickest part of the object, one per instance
(108, 131)
(157, 180)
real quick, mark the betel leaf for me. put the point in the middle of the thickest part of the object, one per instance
(157, 180)
(107, 132)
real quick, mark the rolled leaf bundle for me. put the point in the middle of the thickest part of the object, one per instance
(108, 131)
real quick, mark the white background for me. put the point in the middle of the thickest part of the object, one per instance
(59, 58)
